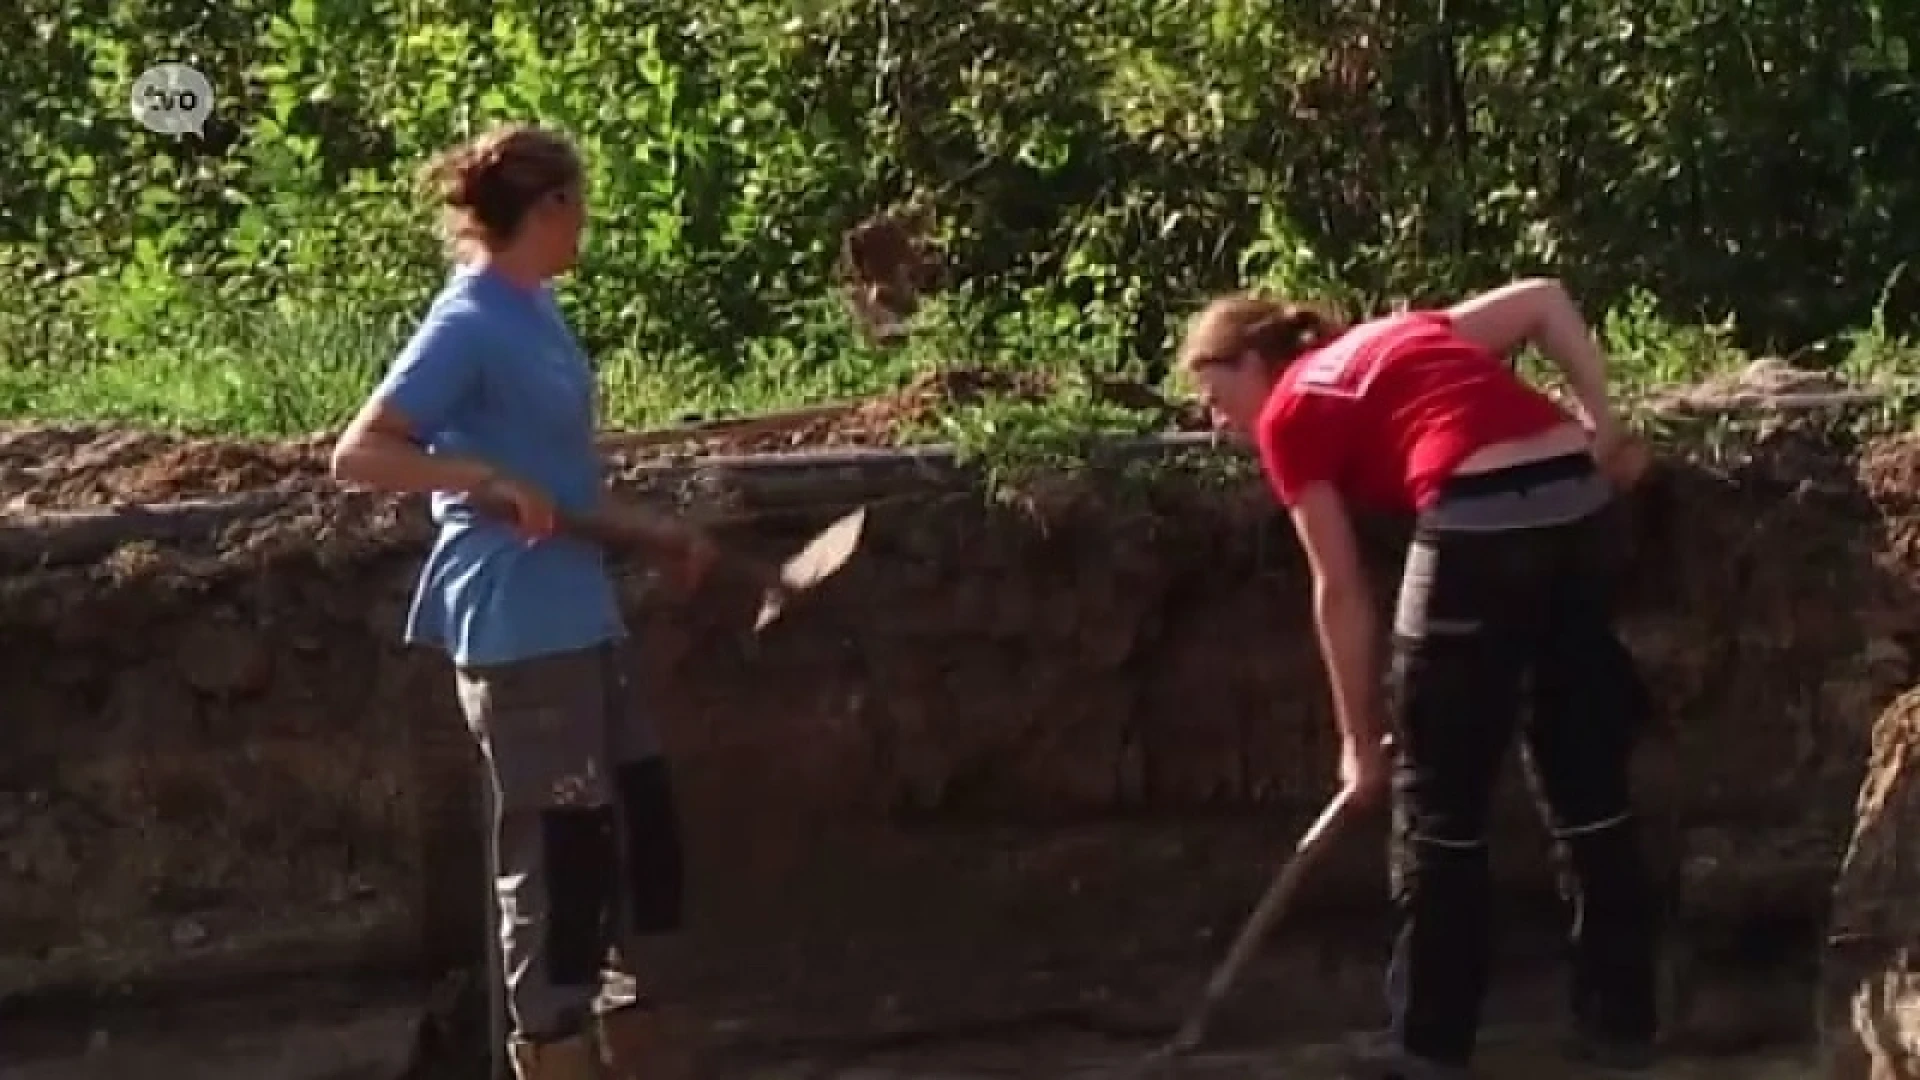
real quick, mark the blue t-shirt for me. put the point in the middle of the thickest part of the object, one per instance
(493, 373)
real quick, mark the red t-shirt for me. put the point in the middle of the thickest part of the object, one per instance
(1386, 411)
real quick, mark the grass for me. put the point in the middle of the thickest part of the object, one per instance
(197, 365)
(172, 360)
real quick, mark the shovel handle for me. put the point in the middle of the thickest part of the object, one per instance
(616, 526)
(1272, 904)
(604, 526)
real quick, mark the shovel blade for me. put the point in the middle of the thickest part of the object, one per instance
(825, 554)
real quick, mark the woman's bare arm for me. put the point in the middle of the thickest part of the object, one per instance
(1539, 310)
(1343, 611)
(379, 449)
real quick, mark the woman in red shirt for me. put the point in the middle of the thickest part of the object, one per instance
(1506, 597)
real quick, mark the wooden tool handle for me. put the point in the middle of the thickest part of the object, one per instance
(1272, 904)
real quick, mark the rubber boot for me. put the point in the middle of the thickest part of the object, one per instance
(648, 1041)
(571, 1058)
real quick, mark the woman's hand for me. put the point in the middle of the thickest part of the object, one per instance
(1621, 457)
(531, 510)
(1364, 770)
(685, 556)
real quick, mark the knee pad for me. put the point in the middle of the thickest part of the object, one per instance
(578, 845)
(654, 862)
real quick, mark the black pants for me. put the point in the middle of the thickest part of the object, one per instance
(1490, 619)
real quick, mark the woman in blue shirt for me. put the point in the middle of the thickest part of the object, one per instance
(493, 402)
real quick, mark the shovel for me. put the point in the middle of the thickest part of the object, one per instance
(819, 559)
(822, 556)
(1271, 906)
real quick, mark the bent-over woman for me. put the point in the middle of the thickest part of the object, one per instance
(1506, 600)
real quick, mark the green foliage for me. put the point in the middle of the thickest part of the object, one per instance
(1094, 168)
(1015, 442)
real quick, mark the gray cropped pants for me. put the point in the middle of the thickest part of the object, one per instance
(585, 848)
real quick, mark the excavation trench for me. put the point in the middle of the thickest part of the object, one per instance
(1015, 775)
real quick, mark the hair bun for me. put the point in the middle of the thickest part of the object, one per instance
(451, 176)
(1275, 331)
(1287, 329)
(1303, 328)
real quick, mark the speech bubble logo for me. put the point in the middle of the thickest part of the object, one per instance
(172, 99)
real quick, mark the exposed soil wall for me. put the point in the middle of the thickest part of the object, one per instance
(1870, 975)
(1014, 758)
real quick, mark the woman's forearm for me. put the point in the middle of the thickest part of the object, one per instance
(1540, 311)
(1346, 619)
(1564, 337)
(377, 459)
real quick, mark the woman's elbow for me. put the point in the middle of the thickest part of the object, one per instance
(1506, 318)
(358, 457)
(345, 463)
(1547, 287)
(1548, 303)
(360, 453)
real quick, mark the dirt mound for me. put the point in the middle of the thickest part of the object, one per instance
(901, 417)
(75, 468)
(49, 468)
(892, 419)
(1891, 468)
(1766, 385)
(1871, 996)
